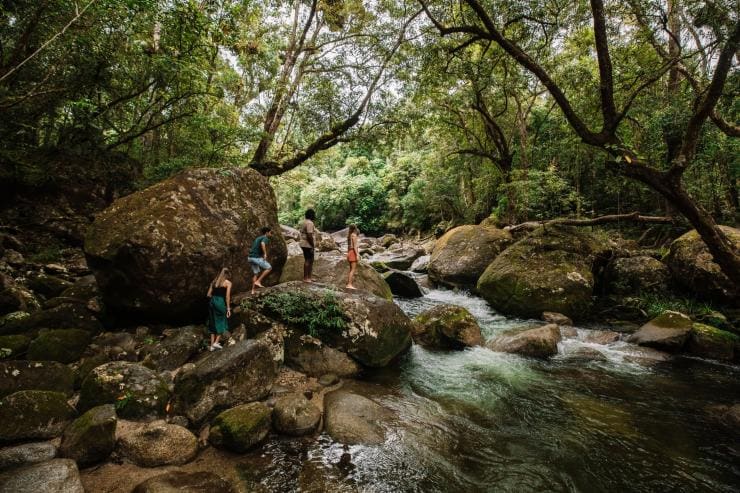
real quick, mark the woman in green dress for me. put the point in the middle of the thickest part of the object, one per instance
(218, 307)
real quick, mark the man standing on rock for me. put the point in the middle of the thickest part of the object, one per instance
(307, 244)
(258, 258)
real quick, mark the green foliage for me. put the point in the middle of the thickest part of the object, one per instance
(123, 400)
(320, 318)
(655, 304)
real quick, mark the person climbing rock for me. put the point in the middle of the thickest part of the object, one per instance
(219, 293)
(307, 244)
(258, 258)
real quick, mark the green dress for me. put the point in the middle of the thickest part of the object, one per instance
(217, 321)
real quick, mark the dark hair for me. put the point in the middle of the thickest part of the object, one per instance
(266, 230)
(351, 230)
(311, 214)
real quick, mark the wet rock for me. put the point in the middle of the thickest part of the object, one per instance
(398, 259)
(295, 415)
(447, 327)
(354, 419)
(709, 342)
(314, 358)
(241, 428)
(693, 267)
(236, 374)
(53, 476)
(567, 332)
(33, 414)
(667, 332)
(463, 253)
(63, 345)
(586, 354)
(556, 318)
(13, 345)
(333, 270)
(402, 284)
(35, 375)
(600, 336)
(137, 391)
(646, 356)
(153, 251)
(185, 482)
(372, 330)
(548, 270)
(176, 349)
(328, 379)
(727, 415)
(640, 274)
(538, 343)
(159, 444)
(28, 453)
(421, 264)
(91, 437)
(47, 285)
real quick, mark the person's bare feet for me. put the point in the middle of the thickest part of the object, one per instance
(258, 285)
(350, 287)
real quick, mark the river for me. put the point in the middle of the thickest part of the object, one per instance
(477, 420)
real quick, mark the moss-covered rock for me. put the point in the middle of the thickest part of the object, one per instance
(694, 269)
(153, 251)
(13, 345)
(295, 415)
(668, 331)
(35, 375)
(25, 454)
(239, 373)
(549, 270)
(175, 349)
(159, 444)
(372, 330)
(62, 316)
(240, 428)
(447, 327)
(311, 356)
(63, 345)
(541, 342)
(640, 274)
(136, 391)
(709, 342)
(91, 437)
(47, 285)
(33, 414)
(333, 270)
(13, 323)
(462, 254)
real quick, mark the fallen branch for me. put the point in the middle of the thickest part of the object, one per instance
(633, 217)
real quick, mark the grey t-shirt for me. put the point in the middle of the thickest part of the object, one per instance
(307, 228)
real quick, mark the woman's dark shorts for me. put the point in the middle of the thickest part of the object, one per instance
(307, 253)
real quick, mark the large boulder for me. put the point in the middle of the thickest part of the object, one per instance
(295, 415)
(549, 270)
(136, 390)
(63, 345)
(185, 482)
(61, 316)
(668, 331)
(353, 419)
(53, 476)
(401, 258)
(402, 284)
(240, 428)
(35, 375)
(159, 444)
(240, 373)
(695, 270)
(154, 252)
(710, 342)
(372, 330)
(333, 270)
(640, 274)
(311, 356)
(462, 254)
(91, 437)
(176, 349)
(32, 414)
(25, 454)
(541, 342)
(447, 327)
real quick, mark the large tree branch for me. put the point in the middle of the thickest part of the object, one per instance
(606, 81)
(633, 217)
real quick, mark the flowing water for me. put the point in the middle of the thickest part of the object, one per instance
(476, 420)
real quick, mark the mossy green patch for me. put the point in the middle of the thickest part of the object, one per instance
(13, 345)
(240, 428)
(63, 345)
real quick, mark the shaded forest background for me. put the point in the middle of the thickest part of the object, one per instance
(370, 111)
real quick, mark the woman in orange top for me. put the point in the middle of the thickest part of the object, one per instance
(353, 253)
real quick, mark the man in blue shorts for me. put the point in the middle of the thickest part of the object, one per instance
(258, 258)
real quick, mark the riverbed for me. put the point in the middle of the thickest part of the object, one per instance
(477, 420)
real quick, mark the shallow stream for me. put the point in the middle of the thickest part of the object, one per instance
(477, 420)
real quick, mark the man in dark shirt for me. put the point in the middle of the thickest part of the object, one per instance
(258, 258)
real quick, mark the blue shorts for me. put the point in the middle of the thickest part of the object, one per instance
(258, 264)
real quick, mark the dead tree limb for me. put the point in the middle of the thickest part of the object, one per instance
(632, 217)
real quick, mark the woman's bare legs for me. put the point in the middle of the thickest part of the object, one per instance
(351, 275)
